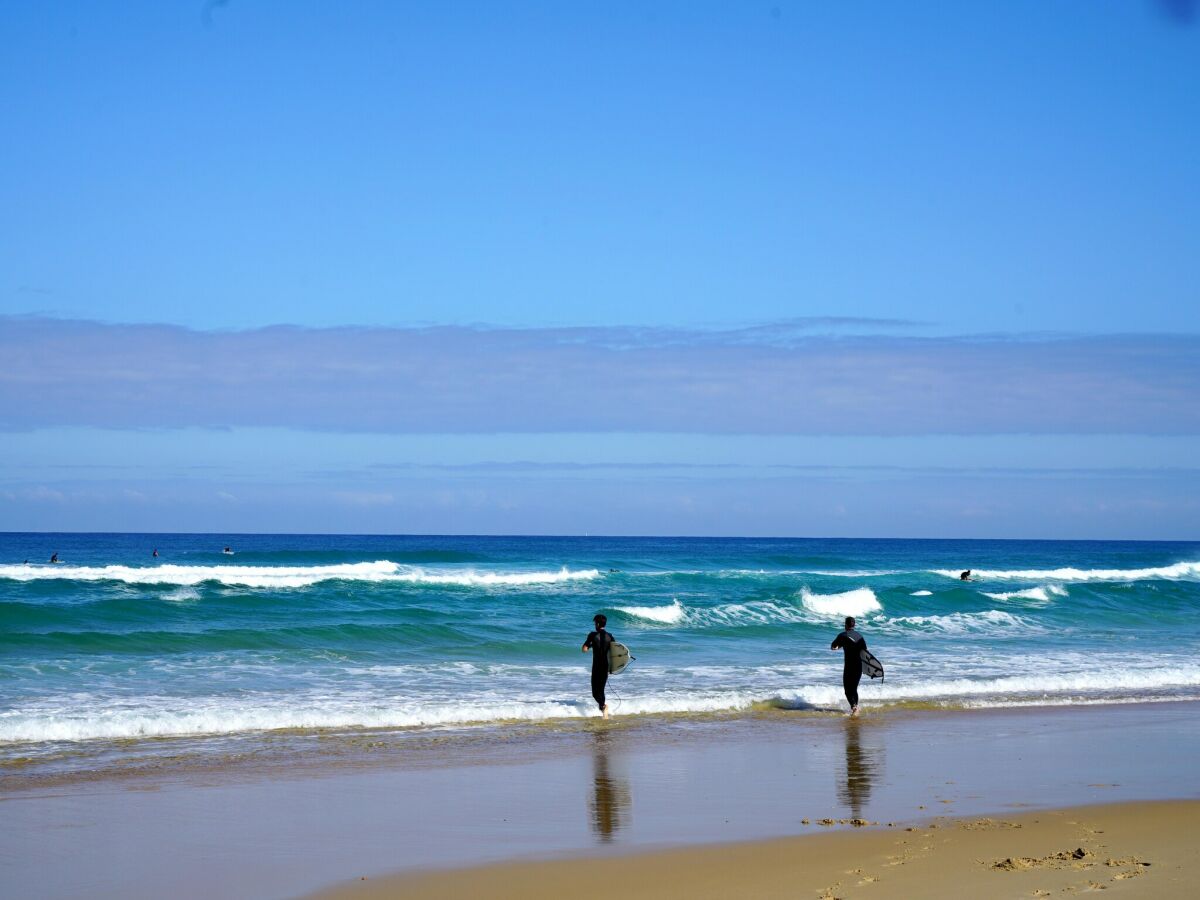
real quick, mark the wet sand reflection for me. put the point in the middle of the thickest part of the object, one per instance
(863, 766)
(611, 797)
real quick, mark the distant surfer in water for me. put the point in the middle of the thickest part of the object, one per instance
(54, 557)
(965, 576)
(598, 642)
(852, 644)
(155, 553)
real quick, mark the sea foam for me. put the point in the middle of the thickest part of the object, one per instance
(1042, 594)
(163, 717)
(993, 622)
(379, 571)
(1177, 571)
(857, 602)
(665, 615)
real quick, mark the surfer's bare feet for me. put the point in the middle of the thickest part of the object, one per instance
(604, 711)
(854, 712)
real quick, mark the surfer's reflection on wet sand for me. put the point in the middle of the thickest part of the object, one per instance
(862, 770)
(610, 800)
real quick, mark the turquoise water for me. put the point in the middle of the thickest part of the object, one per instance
(349, 632)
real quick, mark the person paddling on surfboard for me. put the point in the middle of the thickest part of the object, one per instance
(852, 644)
(598, 642)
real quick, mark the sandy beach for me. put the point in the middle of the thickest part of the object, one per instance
(1136, 850)
(768, 800)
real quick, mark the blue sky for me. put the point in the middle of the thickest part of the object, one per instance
(690, 268)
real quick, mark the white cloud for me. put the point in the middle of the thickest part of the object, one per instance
(770, 380)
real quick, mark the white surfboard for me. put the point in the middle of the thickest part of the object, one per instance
(618, 658)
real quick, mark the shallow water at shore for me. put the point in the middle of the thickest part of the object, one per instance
(295, 645)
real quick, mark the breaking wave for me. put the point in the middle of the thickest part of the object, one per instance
(289, 576)
(1038, 593)
(665, 615)
(857, 602)
(1177, 571)
(993, 622)
(163, 717)
(813, 608)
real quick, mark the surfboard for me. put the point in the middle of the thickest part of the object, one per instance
(618, 658)
(871, 666)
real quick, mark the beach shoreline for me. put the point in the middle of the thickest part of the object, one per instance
(629, 786)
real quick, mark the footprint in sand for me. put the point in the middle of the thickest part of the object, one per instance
(1127, 861)
(864, 878)
(1138, 867)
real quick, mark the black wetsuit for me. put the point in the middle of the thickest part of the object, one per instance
(599, 642)
(852, 644)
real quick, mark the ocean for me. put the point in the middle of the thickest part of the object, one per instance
(303, 635)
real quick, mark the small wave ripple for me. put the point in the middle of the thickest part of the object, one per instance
(1042, 594)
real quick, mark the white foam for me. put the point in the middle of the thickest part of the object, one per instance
(1042, 594)
(991, 622)
(1176, 571)
(857, 602)
(666, 615)
(921, 594)
(852, 573)
(290, 576)
(87, 719)
(493, 579)
(813, 609)
(163, 718)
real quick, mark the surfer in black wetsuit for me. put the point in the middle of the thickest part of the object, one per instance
(598, 642)
(965, 576)
(852, 644)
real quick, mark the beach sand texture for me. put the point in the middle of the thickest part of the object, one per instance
(1134, 850)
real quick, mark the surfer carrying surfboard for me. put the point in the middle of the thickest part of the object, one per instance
(852, 644)
(598, 642)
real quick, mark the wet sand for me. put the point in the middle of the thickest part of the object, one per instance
(633, 785)
(1136, 850)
